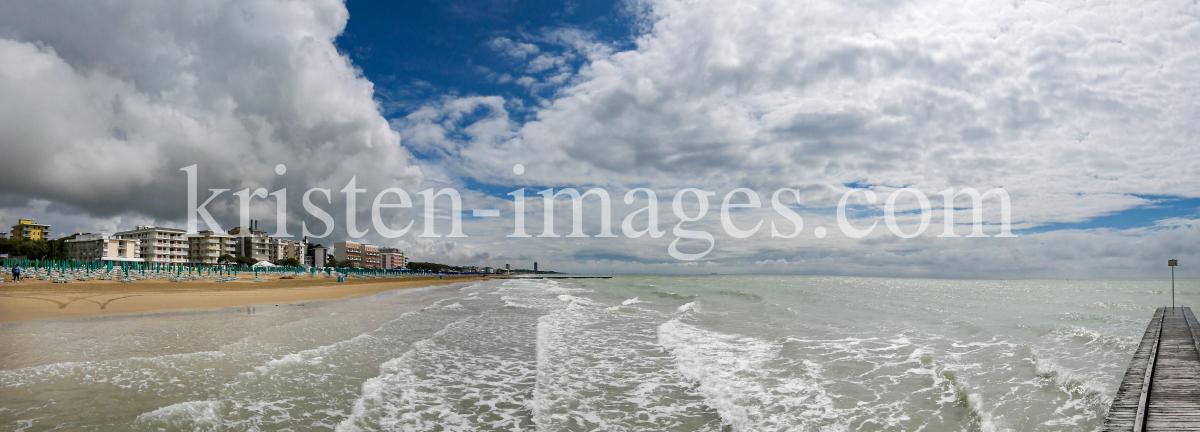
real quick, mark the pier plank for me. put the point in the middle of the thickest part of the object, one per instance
(1173, 399)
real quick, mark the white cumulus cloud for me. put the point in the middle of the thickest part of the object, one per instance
(103, 102)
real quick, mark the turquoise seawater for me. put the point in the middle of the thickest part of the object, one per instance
(678, 353)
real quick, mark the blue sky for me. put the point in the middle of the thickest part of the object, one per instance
(1160, 209)
(415, 51)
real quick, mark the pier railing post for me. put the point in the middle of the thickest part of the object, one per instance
(1172, 264)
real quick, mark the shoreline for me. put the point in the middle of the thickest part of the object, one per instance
(35, 301)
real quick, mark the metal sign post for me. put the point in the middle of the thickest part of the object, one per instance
(1172, 264)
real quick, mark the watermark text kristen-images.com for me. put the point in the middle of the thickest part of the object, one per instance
(400, 199)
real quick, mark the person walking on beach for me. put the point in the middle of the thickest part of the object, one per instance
(16, 271)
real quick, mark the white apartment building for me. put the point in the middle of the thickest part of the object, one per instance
(158, 244)
(206, 247)
(102, 247)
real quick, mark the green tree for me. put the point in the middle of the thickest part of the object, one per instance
(57, 248)
(431, 267)
(31, 249)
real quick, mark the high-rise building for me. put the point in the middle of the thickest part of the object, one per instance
(29, 230)
(102, 247)
(535, 266)
(158, 244)
(206, 247)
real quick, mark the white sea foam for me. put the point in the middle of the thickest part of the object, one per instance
(747, 382)
(24, 425)
(445, 383)
(1084, 393)
(474, 374)
(600, 368)
(193, 416)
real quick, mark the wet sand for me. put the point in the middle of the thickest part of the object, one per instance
(35, 300)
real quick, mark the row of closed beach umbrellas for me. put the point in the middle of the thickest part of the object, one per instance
(130, 271)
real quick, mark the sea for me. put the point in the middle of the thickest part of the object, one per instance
(630, 353)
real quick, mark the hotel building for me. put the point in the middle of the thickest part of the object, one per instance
(349, 252)
(281, 249)
(251, 242)
(316, 256)
(159, 245)
(370, 256)
(29, 230)
(206, 247)
(392, 258)
(102, 247)
(391, 261)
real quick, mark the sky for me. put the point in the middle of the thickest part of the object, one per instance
(1083, 112)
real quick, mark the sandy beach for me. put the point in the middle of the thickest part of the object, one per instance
(35, 300)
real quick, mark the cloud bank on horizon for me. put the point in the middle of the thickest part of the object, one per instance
(1083, 112)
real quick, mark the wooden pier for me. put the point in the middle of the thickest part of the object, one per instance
(1161, 388)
